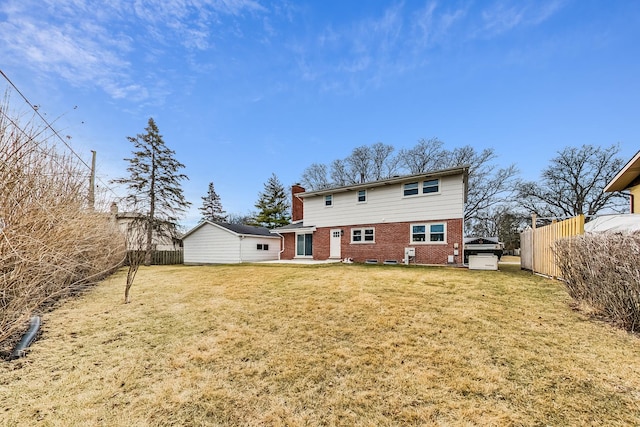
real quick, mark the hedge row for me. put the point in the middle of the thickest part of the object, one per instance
(51, 242)
(602, 274)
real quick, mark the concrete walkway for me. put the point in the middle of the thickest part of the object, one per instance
(302, 261)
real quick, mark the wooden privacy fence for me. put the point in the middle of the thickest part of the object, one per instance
(536, 244)
(166, 257)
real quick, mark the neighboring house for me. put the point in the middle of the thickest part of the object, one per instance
(223, 243)
(616, 223)
(418, 215)
(628, 179)
(129, 224)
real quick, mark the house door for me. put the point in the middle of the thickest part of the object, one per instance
(304, 245)
(334, 244)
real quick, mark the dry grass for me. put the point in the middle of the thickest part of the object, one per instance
(324, 345)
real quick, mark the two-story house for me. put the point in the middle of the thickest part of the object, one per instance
(414, 218)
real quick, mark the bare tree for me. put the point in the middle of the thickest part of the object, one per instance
(239, 218)
(573, 183)
(383, 164)
(135, 255)
(315, 177)
(360, 164)
(427, 155)
(488, 185)
(340, 174)
(504, 221)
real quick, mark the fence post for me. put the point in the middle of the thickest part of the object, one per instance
(534, 219)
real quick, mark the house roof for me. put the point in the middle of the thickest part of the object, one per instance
(627, 175)
(460, 170)
(293, 227)
(238, 229)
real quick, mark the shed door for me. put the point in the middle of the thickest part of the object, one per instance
(334, 244)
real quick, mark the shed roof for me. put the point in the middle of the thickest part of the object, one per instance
(245, 229)
(627, 175)
(238, 229)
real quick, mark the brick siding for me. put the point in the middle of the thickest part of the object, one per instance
(297, 207)
(289, 246)
(390, 241)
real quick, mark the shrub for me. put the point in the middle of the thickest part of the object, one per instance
(602, 274)
(51, 242)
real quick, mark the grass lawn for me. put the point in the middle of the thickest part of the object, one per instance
(353, 345)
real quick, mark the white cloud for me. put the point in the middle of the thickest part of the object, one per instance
(432, 27)
(504, 16)
(94, 43)
(501, 18)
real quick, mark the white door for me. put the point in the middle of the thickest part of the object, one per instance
(334, 244)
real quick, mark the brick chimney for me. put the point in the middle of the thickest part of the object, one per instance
(297, 212)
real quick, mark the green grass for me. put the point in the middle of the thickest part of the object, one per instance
(324, 345)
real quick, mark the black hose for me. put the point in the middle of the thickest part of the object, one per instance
(27, 338)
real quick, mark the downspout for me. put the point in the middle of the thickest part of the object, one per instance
(27, 338)
(282, 246)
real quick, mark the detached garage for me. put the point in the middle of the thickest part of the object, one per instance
(224, 243)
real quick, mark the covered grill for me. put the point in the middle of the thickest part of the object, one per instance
(482, 245)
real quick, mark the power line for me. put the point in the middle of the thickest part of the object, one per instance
(55, 132)
(48, 125)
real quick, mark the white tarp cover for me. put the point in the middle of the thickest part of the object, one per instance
(613, 223)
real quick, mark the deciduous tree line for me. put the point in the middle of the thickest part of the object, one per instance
(499, 203)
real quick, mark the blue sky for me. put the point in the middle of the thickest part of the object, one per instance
(241, 89)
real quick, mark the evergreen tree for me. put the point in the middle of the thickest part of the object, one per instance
(273, 205)
(154, 185)
(212, 206)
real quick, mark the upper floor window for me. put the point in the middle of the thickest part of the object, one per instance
(328, 200)
(434, 232)
(428, 187)
(431, 186)
(362, 235)
(410, 188)
(362, 196)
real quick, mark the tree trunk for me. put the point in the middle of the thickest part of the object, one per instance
(149, 243)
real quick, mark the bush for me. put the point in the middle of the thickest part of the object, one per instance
(51, 242)
(602, 274)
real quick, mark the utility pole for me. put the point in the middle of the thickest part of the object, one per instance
(92, 182)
